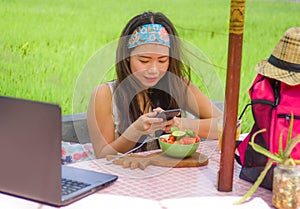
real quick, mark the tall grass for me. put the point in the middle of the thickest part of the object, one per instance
(44, 45)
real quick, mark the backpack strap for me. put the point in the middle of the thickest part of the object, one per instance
(256, 102)
(276, 88)
(236, 156)
(244, 110)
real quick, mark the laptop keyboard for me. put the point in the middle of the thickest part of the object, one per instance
(70, 186)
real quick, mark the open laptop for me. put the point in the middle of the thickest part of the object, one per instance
(30, 155)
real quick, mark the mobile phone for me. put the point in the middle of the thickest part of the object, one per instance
(168, 114)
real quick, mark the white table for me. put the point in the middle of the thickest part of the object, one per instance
(161, 187)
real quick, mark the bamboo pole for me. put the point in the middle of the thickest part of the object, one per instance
(236, 30)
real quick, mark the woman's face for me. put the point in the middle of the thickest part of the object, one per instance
(149, 63)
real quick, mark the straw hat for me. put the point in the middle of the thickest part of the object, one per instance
(284, 62)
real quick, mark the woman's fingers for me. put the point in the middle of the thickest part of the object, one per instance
(149, 123)
(158, 109)
(175, 122)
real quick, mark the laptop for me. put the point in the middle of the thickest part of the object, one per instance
(30, 155)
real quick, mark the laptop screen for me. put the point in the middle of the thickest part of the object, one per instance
(30, 134)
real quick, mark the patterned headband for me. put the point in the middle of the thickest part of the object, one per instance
(149, 33)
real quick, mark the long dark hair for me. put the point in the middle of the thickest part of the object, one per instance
(170, 92)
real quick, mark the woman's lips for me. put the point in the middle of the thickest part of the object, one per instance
(151, 80)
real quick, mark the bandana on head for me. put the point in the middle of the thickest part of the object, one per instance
(149, 34)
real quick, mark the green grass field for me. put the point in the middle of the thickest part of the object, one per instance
(45, 45)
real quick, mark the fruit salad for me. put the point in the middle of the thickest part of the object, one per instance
(178, 136)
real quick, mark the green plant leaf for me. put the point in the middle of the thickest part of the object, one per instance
(256, 184)
(262, 150)
(280, 145)
(290, 146)
(289, 136)
(266, 152)
(289, 162)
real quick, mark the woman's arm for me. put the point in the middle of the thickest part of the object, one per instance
(201, 107)
(101, 125)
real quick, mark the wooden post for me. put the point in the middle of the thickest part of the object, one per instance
(225, 178)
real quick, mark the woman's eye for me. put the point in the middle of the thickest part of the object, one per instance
(163, 61)
(144, 61)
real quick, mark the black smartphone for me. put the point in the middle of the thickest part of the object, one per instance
(168, 114)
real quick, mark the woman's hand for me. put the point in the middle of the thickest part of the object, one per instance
(181, 123)
(205, 128)
(148, 123)
(175, 122)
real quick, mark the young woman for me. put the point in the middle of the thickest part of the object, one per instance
(150, 78)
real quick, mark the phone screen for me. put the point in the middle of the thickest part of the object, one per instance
(168, 114)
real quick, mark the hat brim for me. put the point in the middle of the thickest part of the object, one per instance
(269, 70)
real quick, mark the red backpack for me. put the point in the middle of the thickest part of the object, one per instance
(272, 103)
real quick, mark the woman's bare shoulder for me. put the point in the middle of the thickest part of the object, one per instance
(101, 100)
(102, 91)
(194, 89)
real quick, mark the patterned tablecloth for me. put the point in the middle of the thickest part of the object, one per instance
(162, 187)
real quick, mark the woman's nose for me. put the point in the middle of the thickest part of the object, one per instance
(153, 67)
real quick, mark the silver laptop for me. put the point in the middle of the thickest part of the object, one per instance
(30, 156)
